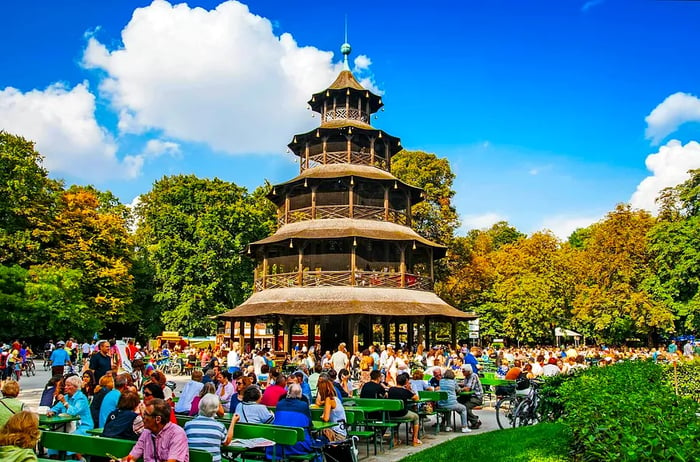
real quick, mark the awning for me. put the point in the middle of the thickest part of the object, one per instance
(559, 332)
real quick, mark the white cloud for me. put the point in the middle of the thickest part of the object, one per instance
(157, 148)
(62, 123)
(362, 62)
(590, 4)
(220, 77)
(482, 221)
(673, 112)
(563, 225)
(669, 167)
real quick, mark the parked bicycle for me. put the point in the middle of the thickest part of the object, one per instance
(520, 407)
(47, 361)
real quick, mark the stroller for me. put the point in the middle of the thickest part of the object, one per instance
(341, 451)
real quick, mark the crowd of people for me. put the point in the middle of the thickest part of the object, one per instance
(140, 404)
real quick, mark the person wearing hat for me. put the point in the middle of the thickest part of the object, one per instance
(59, 359)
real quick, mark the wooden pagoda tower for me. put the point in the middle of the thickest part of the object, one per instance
(344, 259)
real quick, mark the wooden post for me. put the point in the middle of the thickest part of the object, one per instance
(454, 333)
(354, 333)
(371, 150)
(385, 330)
(409, 330)
(311, 333)
(386, 203)
(252, 333)
(264, 271)
(397, 332)
(325, 150)
(353, 261)
(313, 202)
(287, 326)
(300, 273)
(409, 214)
(402, 265)
(306, 154)
(428, 338)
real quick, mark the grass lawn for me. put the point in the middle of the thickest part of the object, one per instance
(546, 442)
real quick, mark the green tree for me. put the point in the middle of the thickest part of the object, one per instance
(674, 244)
(435, 218)
(533, 288)
(93, 237)
(27, 201)
(613, 300)
(193, 232)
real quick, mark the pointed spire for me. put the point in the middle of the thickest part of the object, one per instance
(345, 48)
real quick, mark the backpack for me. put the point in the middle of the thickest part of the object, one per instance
(120, 424)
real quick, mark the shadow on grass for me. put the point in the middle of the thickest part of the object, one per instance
(546, 442)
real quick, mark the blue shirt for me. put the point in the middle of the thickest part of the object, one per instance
(109, 403)
(78, 405)
(59, 357)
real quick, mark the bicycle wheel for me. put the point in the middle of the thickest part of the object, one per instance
(175, 369)
(504, 411)
(523, 414)
(32, 368)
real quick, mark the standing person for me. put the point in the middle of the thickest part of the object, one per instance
(18, 437)
(161, 440)
(339, 359)
(101, 362)
(403, 391)
(449, 384)
(59, 359)
(205, 432)
(333, 410)
(313, 380)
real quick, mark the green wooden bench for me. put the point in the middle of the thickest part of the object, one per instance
(378, 426)
(281, 435)
(446, 414)
(96, 446)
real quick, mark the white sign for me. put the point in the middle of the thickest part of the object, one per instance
(473, 325)
(473, 335)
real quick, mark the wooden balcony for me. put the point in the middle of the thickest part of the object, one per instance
(369, 279)
(344, 157)
(360, 212)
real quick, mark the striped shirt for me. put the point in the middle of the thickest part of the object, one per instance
(207, 434)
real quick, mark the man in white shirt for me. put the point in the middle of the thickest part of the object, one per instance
(340, 360)
(232, 358)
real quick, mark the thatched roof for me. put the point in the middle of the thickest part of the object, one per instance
(345, 84)
(336, 130)
(343, 171)
(346, 80)
(341, 301)
(348, 227)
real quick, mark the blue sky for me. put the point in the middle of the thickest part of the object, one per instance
(550, 112)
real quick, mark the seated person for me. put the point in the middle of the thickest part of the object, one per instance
(9, 404)
(47, 396)
(169, 439)
(154, 391)
(124, 422)
(403, 391)
(294, 411)
(18, 437)
(205, 432)
(333, 410)
(275, 392)
(250, 410)
(417, 382)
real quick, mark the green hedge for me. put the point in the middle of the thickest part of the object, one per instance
(684, 377)
(629, 412)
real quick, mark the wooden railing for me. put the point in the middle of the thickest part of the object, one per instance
(368, 279)
(340, 113)
(360, 212)
(341, 157)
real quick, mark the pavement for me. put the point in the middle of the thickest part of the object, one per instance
(32, 387)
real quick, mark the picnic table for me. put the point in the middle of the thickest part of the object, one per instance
(57, 422)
